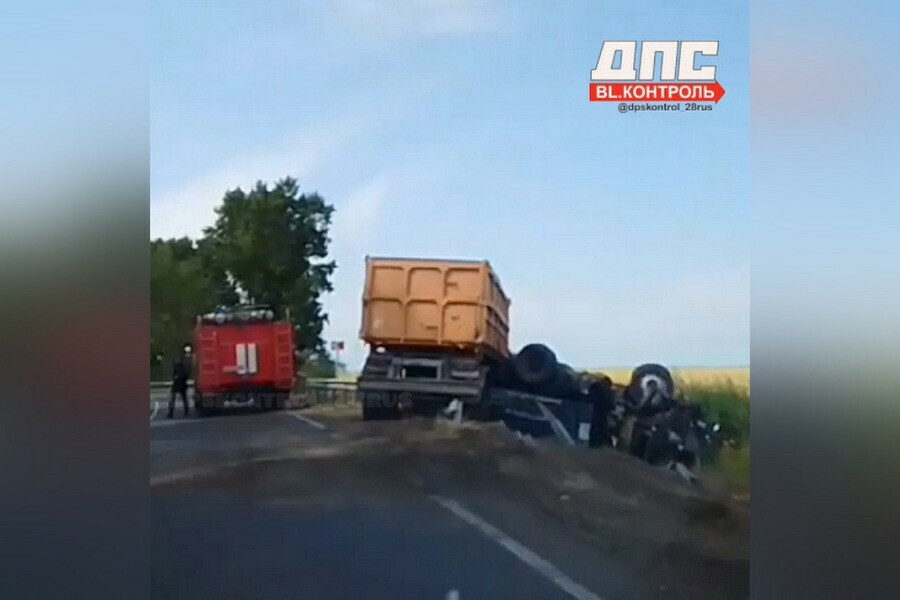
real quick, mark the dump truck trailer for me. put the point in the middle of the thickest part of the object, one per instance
(437, 330)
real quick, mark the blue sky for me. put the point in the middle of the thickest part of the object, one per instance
(462, 129)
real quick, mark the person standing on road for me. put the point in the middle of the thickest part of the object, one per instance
(181, 373)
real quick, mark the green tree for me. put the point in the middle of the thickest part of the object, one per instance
(273, 243)
(180, 289)
(225, 292)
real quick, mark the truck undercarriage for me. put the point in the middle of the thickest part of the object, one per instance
(423, 381)
(263, 398)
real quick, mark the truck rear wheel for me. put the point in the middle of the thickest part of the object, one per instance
(535, 365)
(484, 409)
(376, 413)
(424, 408)
(380, 407)
(202, 405)
(268, 401)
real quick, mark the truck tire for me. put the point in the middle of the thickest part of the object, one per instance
(371, 413)
(391, 412)
(425, 409)
(199, 406)
(658, 449)
(484, 410)
(535, 365)
(374, 410)
(565, 383)
(637, 442)
(503, 373)
(641, 375)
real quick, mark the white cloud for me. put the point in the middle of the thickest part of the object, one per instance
(421, 17)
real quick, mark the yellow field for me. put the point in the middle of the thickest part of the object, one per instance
(740, 378)
(693, 377)
(348, 377)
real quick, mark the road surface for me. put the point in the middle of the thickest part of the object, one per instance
(268, 505)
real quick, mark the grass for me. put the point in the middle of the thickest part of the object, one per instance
(724, 395)
(728, 404)
(733, 465)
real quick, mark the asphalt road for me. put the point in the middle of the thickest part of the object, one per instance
(277, 526)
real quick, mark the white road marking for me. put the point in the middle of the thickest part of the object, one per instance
(155, 408)
(453, 595)
(307, 420)
(178, 421)
(521, 552)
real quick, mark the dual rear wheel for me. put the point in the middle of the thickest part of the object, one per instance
(380, 407)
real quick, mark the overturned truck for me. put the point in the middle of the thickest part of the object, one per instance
(438, 331)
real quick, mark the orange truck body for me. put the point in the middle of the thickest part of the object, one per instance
(454, 305)
(437, 330)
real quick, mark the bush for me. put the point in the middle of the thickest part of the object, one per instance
(729, 405)
(723, 403)
(318, 366)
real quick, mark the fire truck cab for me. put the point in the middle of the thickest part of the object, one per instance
(245, 356)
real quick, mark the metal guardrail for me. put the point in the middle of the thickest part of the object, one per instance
(328, 391)
(519, 408)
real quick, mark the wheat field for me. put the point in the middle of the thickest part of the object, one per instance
(693, 377)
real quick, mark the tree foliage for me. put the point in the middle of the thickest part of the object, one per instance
(270, 243)
(274, 242)
(319, 366)
(180, 289)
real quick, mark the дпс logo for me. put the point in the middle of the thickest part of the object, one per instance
(680, 79)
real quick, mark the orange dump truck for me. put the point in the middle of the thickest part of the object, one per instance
(437, 330)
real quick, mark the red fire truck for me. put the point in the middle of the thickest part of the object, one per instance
(245, 356)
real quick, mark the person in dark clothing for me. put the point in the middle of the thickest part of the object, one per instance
(181, 373)
(603, 398)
